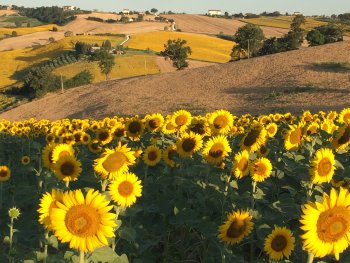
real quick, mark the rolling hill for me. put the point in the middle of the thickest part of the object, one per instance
(312, 78)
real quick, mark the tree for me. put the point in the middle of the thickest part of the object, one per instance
(14, 34)
(54, 29)
(249, 37)
(331, 33)
(177, 52)
(297, 21)
(82, 78)
(315, 38)
(107, 45)
(105, 61)
(295, 36)
(39, 81)
(154, 10)
(226, 14)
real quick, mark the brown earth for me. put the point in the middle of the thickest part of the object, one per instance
(8, 12)
(211, 25)
(282, 82)
(166, 66)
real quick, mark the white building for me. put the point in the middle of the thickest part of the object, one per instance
(214, 12)
(68, 8)
(126, 11)
(296, 13)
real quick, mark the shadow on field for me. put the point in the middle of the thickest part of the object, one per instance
(341, 67)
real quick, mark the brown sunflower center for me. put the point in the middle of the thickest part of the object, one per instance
(295, 136)
(347, 117)
(188, 144)
(50, 138)
(217, 150)
(125, 188)
(114, 161)
(82, 221)
(345, 137)
(279, 243)
(154, 123)
(260, 169)
(324, 167)
(119, 132)
(220, 122)
(251, 138)
(152, 155)
(236, 229)
(243, 164)
(67, 168)
(271, 130)
(181, 120)
(171, 154)
(3, 173)
(333, 224)
(198, 128)
(135, 127)
(103, 135)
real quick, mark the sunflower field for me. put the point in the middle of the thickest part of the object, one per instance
(176, 188)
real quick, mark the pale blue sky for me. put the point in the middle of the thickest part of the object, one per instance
(307, 7)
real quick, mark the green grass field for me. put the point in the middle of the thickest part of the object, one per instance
(10, 21)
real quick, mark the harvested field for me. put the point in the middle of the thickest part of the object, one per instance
(288, 81)
(166, 66)
(211, 25)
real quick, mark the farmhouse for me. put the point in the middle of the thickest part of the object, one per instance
(296, 13)
(214, 12)
(68, 8)
(126, 11)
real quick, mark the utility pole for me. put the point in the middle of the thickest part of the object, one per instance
(62, 89)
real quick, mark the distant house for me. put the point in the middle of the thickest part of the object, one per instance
(126, 11)
(68, 8)
(214, 12)
(296, 13)
(9, 7)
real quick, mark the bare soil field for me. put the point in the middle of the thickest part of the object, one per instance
(8, 12)
(211, 25)
(289, 81)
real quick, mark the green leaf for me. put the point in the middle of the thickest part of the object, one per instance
(6, 240)
(104, 255)
(68, 255)
(121, 259)
(176, 210)
(338, 165)
(40, 256)
(53, 241)
(127, 233)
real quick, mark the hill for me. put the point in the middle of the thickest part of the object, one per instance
(313, 78)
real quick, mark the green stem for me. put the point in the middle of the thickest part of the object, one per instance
(11, 237)
(228, 183)
(1, 195)
(252, 203)
(82, 257)
(310, 257)
(104, 184)
(67, 184)
(45, 246)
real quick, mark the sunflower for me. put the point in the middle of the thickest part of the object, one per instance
(50, 138)
(263, 151)
(241, 164)
(114, 162)
(260, 169)
(188, 144)
(25, 160)
(83, 222)
(66, 138)
(344, 116)
(168, 155)
(125, 189)
(104, 136)
(220, 122)
(342, 139)
(237, 226)
(47, 155)
(134, 128)
(5, 173)
(322, 166)
(61, 150)
(181, 119)
(154, 122)
(254, 138)
(279, 244)
(199, 125)
(327, 224)
(216, 149)
(293, 137)
(119, 130)
(47, 202)
(328, 126)
(94, 146)
(85, 138)
(271, 129)
(152, 155)
(67, 168)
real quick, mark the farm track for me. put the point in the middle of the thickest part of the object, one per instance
(282, 82)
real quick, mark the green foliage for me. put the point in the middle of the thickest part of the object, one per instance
(82, 49)
(39, 81)
(106, 61)
(82, 78)
(50, 15)
(177, 51)
(54, 29)
(107, 45)
(315, 38)
(250, 37)
(14, 33)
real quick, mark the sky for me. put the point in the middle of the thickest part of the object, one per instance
(307, 7)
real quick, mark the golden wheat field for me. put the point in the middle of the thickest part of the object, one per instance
(16, 60)
(283, 22)
(126, 66)
(203, 47)
(27, 30)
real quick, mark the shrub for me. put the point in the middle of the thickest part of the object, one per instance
(54, 29)
(315, 38)
(82, 78)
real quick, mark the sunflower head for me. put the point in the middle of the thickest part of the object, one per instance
(154, 122)
(181, 119)
(237, 226)
(188, 144)
(221, 122)
(168, 155)
(279, 244)
(254, 138)
(67, 168)
(241, 164)
(5, 173)
(25, 160)
(134, 128)
(216, 149)
(152, 155)
(61, 150)
(260, 169)
(47, 202)
(322, 166)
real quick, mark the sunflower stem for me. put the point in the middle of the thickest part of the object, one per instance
(104, 185)
(45, 246)
(252, 203)
(310, 257)
(1, 195)
(67, 184)
(82, 257)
